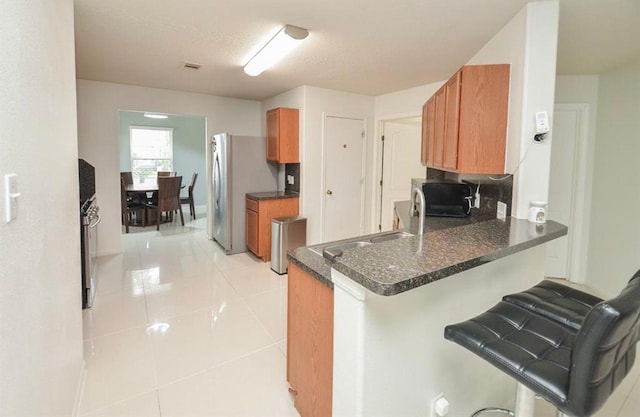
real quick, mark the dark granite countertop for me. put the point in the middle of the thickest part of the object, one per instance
(271, 195)
(400, 265)
(313, 264)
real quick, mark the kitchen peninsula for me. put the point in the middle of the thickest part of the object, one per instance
(386, 305)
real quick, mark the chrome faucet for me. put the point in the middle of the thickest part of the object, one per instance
(418, 191)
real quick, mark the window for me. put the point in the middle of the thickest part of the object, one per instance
(151, 151)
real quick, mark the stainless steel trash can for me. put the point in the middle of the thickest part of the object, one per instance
(286, 233)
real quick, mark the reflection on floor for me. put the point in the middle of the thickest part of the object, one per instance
(181, 329)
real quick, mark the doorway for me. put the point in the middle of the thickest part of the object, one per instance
(343, 180)
(179, 146)
(399, 163)
(568, 191)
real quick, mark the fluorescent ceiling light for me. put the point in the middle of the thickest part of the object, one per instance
(287, 39)
(155, 116)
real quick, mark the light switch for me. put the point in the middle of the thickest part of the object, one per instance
(11, 195)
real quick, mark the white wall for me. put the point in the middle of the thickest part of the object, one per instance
(529, 43)
(40, 297)
(313, 103)
(189, 147)
(293, 99)
(98, 105)
(404, 102)
(399, 104)
(581, 89)
(615, 229)
(319, 102)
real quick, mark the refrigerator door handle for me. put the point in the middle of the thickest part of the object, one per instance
(216, 182)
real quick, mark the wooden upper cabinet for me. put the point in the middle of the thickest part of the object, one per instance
(470, 123)
(484, 106)
(427, 151)
(452, 111)
(282, 135)
(439, 122)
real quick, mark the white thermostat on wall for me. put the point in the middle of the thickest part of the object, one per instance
(542, 122)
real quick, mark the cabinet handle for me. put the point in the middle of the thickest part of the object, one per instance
(329, 192)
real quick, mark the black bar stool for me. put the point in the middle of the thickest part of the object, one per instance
(550, 351)
(557, 302)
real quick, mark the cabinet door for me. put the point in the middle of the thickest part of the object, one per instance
(270, 209)
(452, 117)
(252, 231)
(440, 112)
(484, 108)
(428, 126)
(310, 343)
(272, 135)
(288, 135)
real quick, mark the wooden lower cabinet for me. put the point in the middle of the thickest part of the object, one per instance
(310, 343)
(258, 222)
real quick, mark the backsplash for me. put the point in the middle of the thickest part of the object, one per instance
(491, 191)
(294, 171)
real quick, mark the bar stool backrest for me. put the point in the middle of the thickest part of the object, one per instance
(605, 349)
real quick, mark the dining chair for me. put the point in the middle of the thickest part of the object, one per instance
(127, 177)
(189, 198)
(128, 207)
(168, 198)
(164, 174)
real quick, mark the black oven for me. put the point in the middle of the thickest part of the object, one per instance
(89, 219)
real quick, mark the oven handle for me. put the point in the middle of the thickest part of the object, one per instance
(96, 222)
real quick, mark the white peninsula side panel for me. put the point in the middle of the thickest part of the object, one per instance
(390, 355)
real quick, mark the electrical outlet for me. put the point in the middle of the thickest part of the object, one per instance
(502, 210)
(433, 404)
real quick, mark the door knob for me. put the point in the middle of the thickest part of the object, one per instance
(329, 192)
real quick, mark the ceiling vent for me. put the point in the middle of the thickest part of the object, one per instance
(191, 65)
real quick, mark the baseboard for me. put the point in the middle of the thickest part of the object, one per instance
(109, 253)
(80, 390)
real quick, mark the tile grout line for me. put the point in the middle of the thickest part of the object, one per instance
(255, 316)
(627, 397)
(119, 402)
(219, 365)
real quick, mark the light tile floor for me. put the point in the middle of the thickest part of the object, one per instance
(181, 329)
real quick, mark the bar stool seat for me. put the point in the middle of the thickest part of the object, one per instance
(560, 303)
(575, 370)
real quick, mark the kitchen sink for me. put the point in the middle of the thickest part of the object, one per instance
(335, 249)
(389, 236)
(349, 245)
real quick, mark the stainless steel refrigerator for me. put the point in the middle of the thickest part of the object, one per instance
(236, 165)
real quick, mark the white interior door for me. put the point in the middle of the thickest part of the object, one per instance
(562, 185)
(344, 151)
(400, 163)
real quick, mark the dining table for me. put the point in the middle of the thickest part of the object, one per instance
(142, 187)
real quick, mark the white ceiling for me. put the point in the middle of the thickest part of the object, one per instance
(363, 46)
